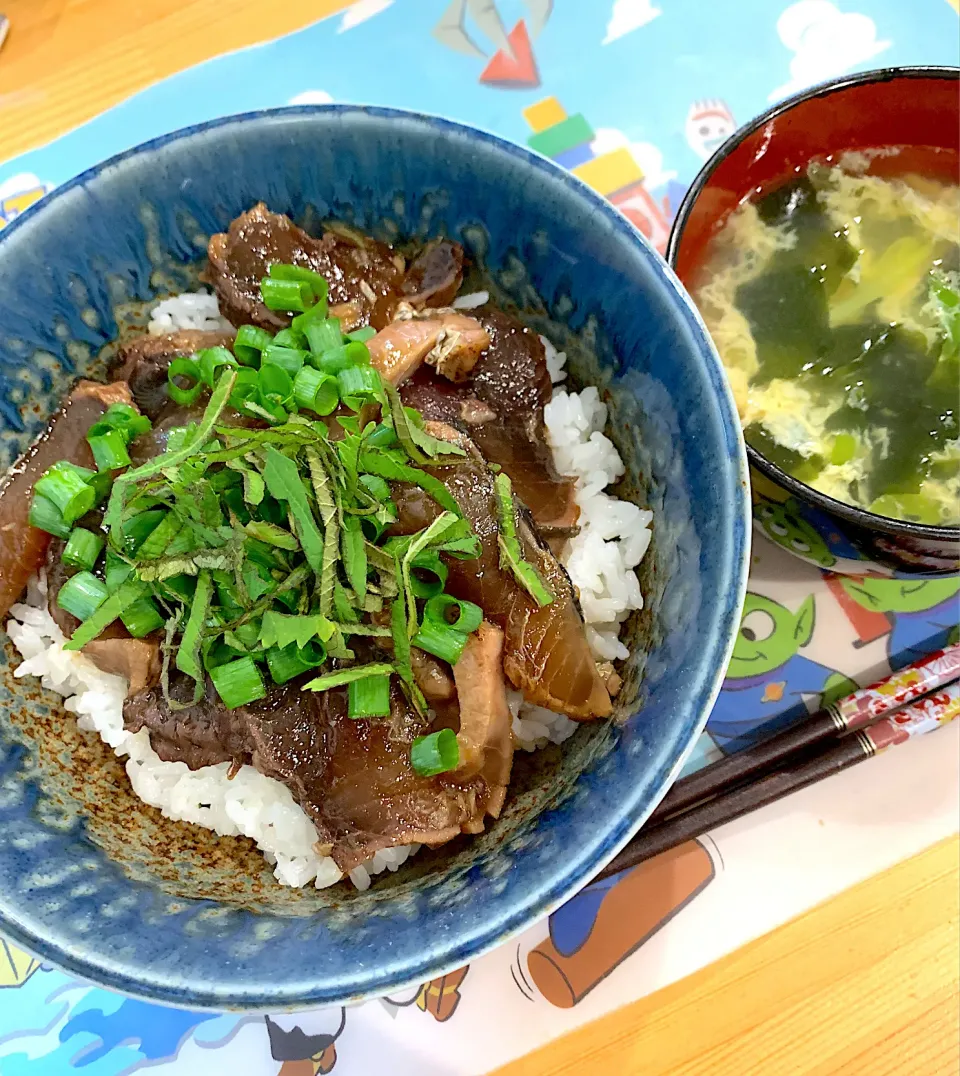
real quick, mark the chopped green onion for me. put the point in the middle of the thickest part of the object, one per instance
(437, 753)
(347, 676)
(141, 618)
(127, 420)
(212, 359)
(215, 405)
(82, 595)
(249, 344)
(82, 548)
(109, 450)
(466, 617)
(428, 574)
(66, 485)
(285, 294)
(418, 543)
(286, 358)
(291, 338)
(315, 281)
(358, 353)
(317, 312)
(369, 697)
(323, 335)
(363, 334)
(188, 394)
(238, 682)
(333, 360)
(276, 385)
(358, 384)
(290, 661)
(46, 516)
(441, 640)
(315, 391)
(245, 389)
(106, 613)
(247, 635)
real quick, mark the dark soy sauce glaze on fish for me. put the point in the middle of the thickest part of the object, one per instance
(354, 777)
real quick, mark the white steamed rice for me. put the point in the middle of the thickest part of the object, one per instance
(191, 310)
(601, 559)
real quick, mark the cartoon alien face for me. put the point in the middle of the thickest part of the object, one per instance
(769, 635)
(793, 533)
(900, 595)
(709, 123)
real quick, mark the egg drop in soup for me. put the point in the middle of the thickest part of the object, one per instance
(834, 302)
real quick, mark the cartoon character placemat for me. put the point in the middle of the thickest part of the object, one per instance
(633, 95)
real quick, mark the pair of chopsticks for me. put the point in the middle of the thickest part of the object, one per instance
(916, 700)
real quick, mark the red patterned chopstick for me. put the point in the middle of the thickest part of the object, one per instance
(859, 709)
(919, 717)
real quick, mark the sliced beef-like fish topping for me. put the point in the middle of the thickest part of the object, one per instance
(142, 361)
(114, 650)
(353, 778)
(484, 735)
(203, 734)
(136, 660)
(22, 547)
(359, 270)
(546, 654)
(451, 342)
(501, 405)
(372, 797)
(435, 275)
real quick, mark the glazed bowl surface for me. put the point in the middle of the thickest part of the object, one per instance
(102, 885)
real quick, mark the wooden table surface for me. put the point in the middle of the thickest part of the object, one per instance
(867, 983)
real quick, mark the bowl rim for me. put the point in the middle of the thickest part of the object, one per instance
(510, 921)
(860, 517)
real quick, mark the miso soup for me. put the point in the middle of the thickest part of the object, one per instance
(834, 302)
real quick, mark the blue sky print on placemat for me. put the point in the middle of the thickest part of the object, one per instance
(654, 78)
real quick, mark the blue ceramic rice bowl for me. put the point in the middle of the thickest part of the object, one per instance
(107, 888)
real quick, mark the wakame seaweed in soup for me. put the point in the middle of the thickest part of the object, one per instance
(835, 305)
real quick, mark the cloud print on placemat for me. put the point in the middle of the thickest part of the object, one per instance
(629, 15)
(311, 97)
(825, 42)
(360, 12)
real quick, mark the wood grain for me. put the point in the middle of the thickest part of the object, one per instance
(864, 985)
(65, 61)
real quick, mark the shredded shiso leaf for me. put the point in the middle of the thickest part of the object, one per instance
(262, 550)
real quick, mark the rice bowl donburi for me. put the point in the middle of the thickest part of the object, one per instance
(328, 549)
